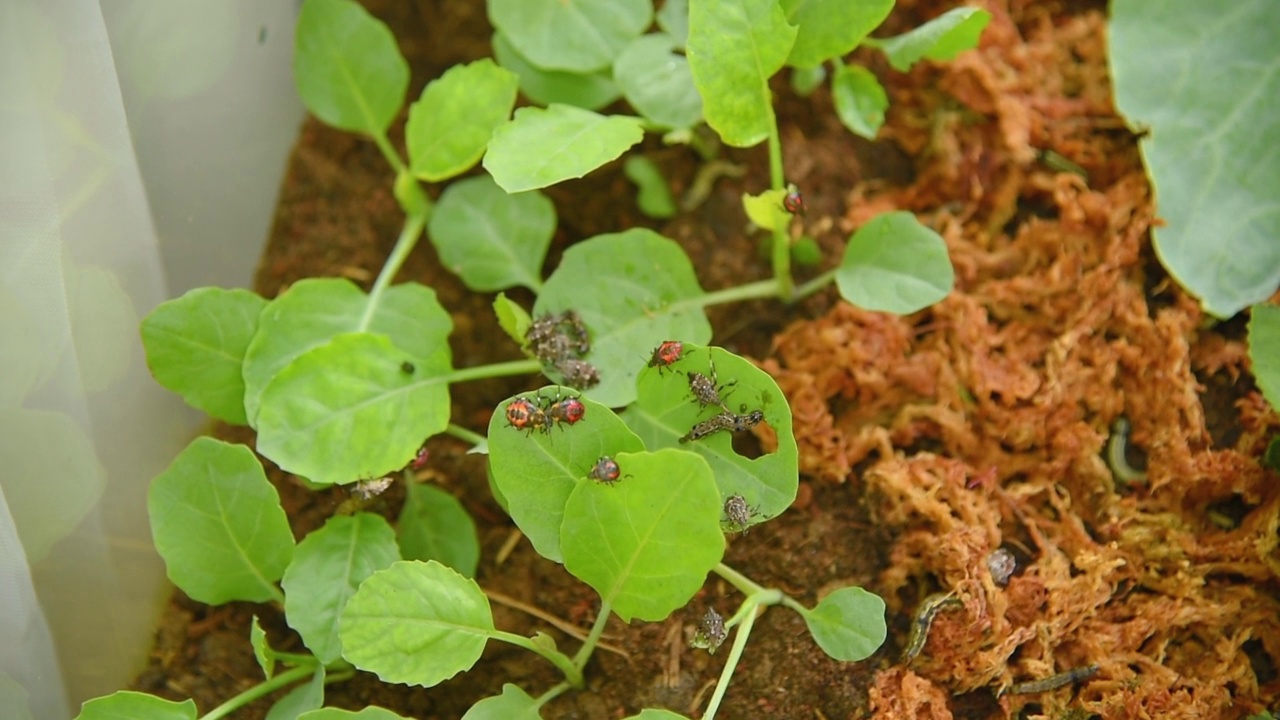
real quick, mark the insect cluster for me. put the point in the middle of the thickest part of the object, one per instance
(541, 413)
(708, 392)
(560, 340)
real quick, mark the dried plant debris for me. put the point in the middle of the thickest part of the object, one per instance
(1056, 329)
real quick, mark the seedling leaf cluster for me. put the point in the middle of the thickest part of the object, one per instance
(631, 467)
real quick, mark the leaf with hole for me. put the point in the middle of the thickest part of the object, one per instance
(590, 91)
(451, 123)
(633, 290)
(895, 264)
(827, 30)
(416, 623)
(535, 472)
(218, 524)
(647, 541)
(348, 69)
(578, 36)
(848, 624)
(493, 240)
(942, 38)
(541, 147)
(435, 526)
(657, 82)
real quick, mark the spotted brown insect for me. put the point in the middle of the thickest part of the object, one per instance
(737, 513)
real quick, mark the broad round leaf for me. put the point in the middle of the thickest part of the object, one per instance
(218, 524)
(942, 38)
(493, 240)
(349, 410)
(416, 623)
(735, 46)
(848, 624)
(434, 526)
(312, 311)
(328, 565)
(451, 123)
(647, 541)
(575, 35)
(1204, 79)
(129, 704)
(542, 147)
(512, 704)
(536, 472)
(830, 29)
(369, 713)
(666, 410)
(1264, 350)
(195, 347)
(895, 264)
(633, 289)
(348, 69)
(590, 91)
(673, 19)
(860, 100)
(657, 82)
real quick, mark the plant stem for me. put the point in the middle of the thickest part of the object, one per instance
(409, 234)
(738, 580)
(480, 372)
(781, 254)
(813, 286)
(389, 152)
(735, 654)
(263, 688)
(593, 637)
(551, 694)
(757, 290)
(572, 672)
(464, 434)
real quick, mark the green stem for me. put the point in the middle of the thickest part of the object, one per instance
(738, 580)
(571, 672)
(263, 688)
(757, 290)
(781, 254)
(552, 693)
(389, 152)
(813, 286)
(464, 434)
(735, 654)
(593, 637)
(503, 369)
(409, 234)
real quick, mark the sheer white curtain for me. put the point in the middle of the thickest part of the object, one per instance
(141, 148)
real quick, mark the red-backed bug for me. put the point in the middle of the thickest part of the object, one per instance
(568, 410)
(666, 354)
(420, 460)
(523, 414)
(605, 470)
(793, 201)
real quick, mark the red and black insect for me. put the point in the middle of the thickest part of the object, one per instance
(567, 410)
(793, 201)
(524, 414)
(666, 354)
(420, 459)
(605, 470)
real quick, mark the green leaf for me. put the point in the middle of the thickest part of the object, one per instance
(328, 565)
(512, 704)
(673, 19)
(848, 624)
(633, 290)
(435, 526)
(657, 82)
(735, 46)
(654, 198)
(805, 80)
(590, 91)
(646, 542)
(218, 524)
(369, 713)
(942, 38)
(128, 705)
(860, 100)
(315, 310)
(542, 147)
(536, 472)
(652, 714)
(491, 239)
(262, 649)
(1264, 350)
(829, 29)
(1271, 457)
(347, 67)
(1203, 79)
(805, 251)
(512, 318)
(301, 699)
(347, 410)
(576, 35)
(766, 210)
(195, 347)
(416, 623)
(895, 264)
(666, 410)
(451, 123)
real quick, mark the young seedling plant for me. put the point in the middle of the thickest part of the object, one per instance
(342, 385)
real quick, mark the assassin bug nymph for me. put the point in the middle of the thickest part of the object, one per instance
(706, 390)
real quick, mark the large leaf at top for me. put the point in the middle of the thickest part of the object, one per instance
(536, 472)
(734, 47)
(348, 69)
(831, 28)
(541, 147)
(451, 123)
(312, 311)
(895, 264)
(647, 541)
(666, 411)
(575, 35)
(1204, 78)
(633, 290)
(195, 347)
(218, 524)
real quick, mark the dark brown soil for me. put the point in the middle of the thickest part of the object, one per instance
(927, 442)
